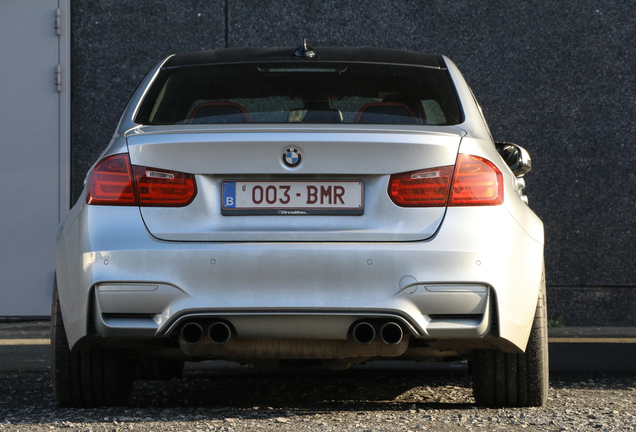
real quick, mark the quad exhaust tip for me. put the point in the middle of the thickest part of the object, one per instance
(192, 333)
(391, 333)
(364, 333)
(219, 333)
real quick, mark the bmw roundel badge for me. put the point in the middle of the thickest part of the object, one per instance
(292, 157)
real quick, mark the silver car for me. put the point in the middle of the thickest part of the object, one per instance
(301, 207)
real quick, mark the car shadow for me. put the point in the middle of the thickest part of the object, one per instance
(313, 390)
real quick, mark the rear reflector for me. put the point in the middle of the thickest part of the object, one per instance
(111, 183)
(473, 181)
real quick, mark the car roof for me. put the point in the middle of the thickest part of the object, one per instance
(323, 54)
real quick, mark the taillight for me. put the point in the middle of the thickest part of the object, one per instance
(111, 183)
(474, 181)
(428, 188)
(159, 188)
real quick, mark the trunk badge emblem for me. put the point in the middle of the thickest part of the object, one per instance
(292, 157)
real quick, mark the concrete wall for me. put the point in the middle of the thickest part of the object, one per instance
(554, 76)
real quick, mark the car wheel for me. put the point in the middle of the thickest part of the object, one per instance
(85, 379)
(158, 369)
(515, 380)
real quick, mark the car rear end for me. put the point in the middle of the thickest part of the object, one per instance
(273, 211)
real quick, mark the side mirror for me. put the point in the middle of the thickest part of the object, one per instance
(516, 157)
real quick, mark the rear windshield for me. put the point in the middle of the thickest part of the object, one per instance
(301, 93)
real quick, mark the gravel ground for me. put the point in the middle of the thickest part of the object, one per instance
(358, 400)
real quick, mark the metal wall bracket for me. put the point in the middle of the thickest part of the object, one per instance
(58, 21)
(58, 78)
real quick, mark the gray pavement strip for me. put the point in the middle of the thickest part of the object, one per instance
(36, 330)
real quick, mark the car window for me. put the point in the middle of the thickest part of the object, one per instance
(301, 93)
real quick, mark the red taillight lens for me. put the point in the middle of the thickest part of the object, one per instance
(477, 181)
(159, 188)
(111, 183)
(428, 188)
(474, 181)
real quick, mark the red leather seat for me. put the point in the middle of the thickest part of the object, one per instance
(412, 102)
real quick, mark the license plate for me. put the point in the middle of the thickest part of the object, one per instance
(293, 197)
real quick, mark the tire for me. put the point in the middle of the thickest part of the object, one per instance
(515, 380)
(86, 379)
(158, 369)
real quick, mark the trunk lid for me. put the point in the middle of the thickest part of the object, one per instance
(254, 153)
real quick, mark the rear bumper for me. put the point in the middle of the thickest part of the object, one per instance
(424, 314)
(447, 287)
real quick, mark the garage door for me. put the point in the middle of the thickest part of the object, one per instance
(34, 150)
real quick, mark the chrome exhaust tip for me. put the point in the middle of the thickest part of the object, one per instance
(219, 333)
(391, 333)
(192, 333)
(364, 333)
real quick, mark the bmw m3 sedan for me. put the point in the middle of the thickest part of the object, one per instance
(299, 207)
